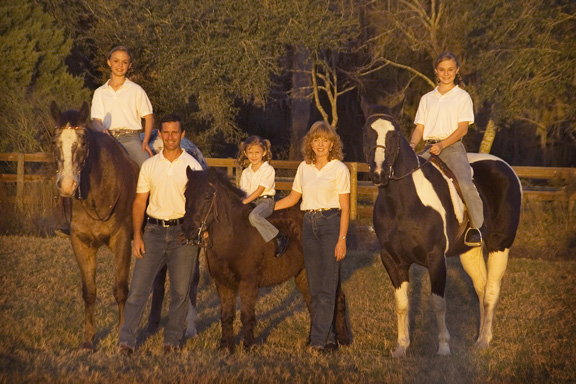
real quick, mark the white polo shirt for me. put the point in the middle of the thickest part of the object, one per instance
(321, 188)
(264, 176)
(440, 114)
(121, 109)
(166, 182)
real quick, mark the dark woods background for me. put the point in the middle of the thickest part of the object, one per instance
(237, 67)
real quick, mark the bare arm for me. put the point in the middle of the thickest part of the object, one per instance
(340, 250)
(148, 124)
(138, 210)
(417, 135)
(288, 201)
(98, 126)
(254, 195)
(459, 133)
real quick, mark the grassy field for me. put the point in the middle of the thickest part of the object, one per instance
(42, 313)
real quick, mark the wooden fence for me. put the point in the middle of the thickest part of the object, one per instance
(540, 183)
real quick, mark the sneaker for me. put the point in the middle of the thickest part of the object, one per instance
(125, 350)
(281, 244)
(473, 237)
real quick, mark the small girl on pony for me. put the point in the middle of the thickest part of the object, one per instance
(257, 181)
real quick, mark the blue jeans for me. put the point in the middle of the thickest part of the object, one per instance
(264, 208)
(162, 246)
(455, 157)
(320, 233)
(133, 146)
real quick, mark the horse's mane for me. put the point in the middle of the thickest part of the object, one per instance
(235, 193)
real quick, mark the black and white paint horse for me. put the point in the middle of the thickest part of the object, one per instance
(419, 218)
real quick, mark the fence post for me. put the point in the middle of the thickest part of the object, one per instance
(20, 177)
(353, 191)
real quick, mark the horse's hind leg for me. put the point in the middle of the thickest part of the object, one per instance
(341, 323)
(437, 271)
(122, 257)
(248, 295)
(302, 283)
(497, 263)
(86, 259)
(474, 265)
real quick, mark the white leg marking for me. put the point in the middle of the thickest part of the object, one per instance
(429, 198)
(474, 265)
(439, 305)
(382, 127)
(191, 321)
(497, 263)
(402, 309)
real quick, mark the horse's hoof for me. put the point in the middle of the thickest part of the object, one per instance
(151, 329)
(481, 344)
(87, 346)
(444, 350)
(399, 353)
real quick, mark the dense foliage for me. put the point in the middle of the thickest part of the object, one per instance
(216, 62)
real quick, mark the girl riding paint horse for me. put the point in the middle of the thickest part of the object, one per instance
(420, 219)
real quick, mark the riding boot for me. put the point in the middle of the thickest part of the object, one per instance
(281, 244)
(473, 237)
(63, 230)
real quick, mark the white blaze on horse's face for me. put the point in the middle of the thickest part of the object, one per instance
(381, 127)
(68, 173)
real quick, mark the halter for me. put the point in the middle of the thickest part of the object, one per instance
(391, 175)
(202, 239)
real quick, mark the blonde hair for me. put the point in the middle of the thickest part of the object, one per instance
(325, 130)
(242, 159)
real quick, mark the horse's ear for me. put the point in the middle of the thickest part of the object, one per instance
(84, 112)
(365, 107)
(396, 110)
(55, 111)
(189, 172)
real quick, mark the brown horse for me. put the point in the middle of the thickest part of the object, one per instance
(238, 259)
(96, 172)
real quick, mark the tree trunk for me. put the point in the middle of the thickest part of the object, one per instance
(488, 138)
(300, 110)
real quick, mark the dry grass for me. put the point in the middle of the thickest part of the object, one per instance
(42, 314)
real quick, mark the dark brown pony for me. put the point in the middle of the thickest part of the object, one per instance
(238, 259)
(97, 174)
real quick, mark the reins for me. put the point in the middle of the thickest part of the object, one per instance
(202, 237)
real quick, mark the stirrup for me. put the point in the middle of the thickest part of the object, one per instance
(473, 237)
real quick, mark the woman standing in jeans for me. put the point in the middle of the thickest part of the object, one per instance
(323, 183)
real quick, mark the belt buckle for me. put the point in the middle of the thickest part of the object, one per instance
(164, 224)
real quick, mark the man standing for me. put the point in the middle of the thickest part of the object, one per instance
(163, 179)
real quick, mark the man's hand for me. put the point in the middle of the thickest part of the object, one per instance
(138, 249)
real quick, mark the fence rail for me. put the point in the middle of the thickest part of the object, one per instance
(358, 186)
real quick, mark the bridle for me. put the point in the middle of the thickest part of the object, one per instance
(391, 175)
(81, 167)
(202, 239)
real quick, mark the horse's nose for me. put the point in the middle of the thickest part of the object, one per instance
(67, 186)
